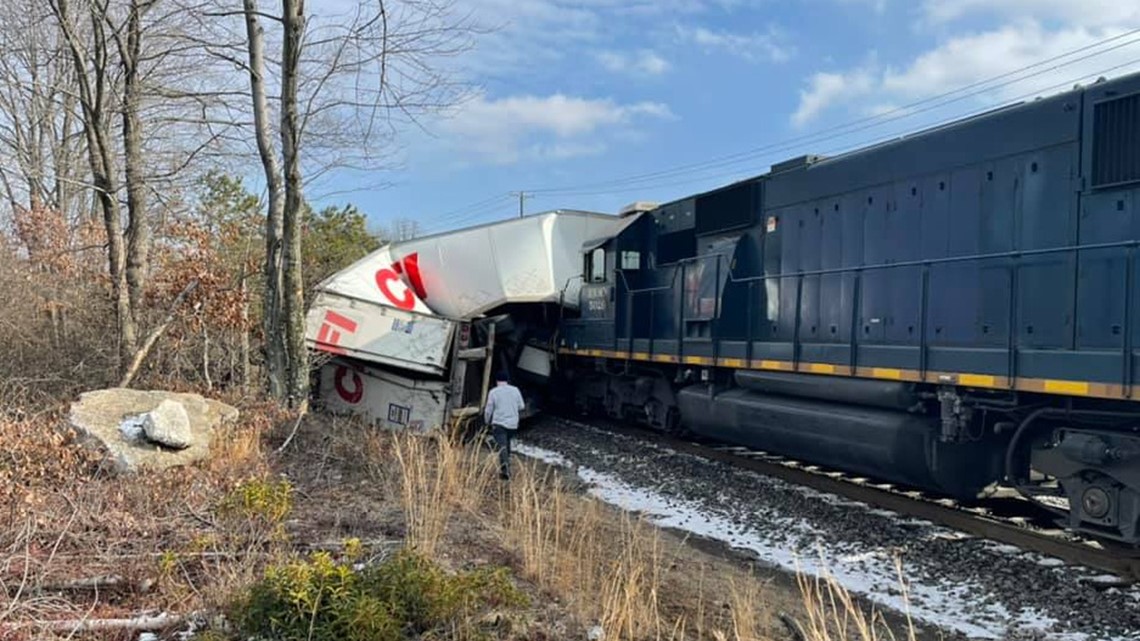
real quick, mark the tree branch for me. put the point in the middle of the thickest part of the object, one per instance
(141, 354)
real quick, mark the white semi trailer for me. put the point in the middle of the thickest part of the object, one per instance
(411, 334)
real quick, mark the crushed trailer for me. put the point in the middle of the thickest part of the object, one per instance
(411, 335)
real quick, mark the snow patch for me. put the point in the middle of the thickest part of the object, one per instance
(796, 546)
(546, 456)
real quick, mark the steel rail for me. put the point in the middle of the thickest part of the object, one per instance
(1105, 556)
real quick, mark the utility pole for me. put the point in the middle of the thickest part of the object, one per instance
(522, 197)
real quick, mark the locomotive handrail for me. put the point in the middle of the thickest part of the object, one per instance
(1127, 375)
(1124, 244)
(660, 288)
(1019, 253)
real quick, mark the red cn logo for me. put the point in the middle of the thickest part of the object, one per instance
(409, 266)
(329, 335)
(353, 394)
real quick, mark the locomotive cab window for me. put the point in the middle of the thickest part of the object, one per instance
(594, 269)
(630, 260)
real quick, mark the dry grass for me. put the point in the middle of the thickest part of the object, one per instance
(187, 540)
(604, 567)
(833, 614)
(608, 572)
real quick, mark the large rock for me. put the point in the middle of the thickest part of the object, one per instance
(169, 425)
(118, 420)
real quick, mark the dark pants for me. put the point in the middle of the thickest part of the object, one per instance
(503, 440)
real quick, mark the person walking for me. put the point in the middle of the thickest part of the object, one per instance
(504, 403)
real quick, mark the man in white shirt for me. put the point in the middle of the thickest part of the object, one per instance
(504, 403)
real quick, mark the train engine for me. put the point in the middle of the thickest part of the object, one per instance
(952, 311)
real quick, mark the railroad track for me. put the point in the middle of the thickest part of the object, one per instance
(1024, 530)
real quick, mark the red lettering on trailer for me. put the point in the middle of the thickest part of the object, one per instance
(410, 268)
(350, 396)
(384, 279)
(329, 335)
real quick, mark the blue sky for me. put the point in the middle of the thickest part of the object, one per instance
(577, 100)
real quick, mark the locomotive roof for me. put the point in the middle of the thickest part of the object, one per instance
(806, 161)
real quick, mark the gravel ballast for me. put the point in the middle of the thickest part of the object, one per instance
(969, 587)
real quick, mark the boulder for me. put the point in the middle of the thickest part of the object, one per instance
(138, 429)
(169, 425)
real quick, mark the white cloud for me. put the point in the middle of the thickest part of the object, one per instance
(1070, 12)
(639, 63)
(507, 130)
(770, 46)
(968, 59)
(825, 89)
(549, 31)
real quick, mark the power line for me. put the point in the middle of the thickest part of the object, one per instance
(471, 212)
(862, 144)
(651, 181)
(654, 179)
(904, 111)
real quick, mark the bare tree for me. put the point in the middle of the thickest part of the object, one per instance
(275, 357)
(87, 42)
(141, 81)
(38, 134)
(114, 107)
(402, 229)
(346, 84)
(293, 27)
(138, 230)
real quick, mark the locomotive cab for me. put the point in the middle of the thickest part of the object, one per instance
(612, 266)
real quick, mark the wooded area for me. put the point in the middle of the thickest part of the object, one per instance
(156, 158)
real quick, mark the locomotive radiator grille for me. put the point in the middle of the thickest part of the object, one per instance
(1116, 142)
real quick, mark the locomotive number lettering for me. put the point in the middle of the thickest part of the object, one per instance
(596, 298)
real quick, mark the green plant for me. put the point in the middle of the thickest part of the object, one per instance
(254, 512)
(319, 599)
(259, 499)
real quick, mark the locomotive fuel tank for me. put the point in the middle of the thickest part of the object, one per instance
(885, 444)
(893, 395)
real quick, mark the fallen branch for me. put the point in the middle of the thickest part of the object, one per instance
(151, 339)
(300, 415)
(99, 583)
(143, 623)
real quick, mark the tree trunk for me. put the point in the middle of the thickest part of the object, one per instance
(92, 83)
(275, 356)
(138, 227)
(293, 18)
(206, 358)
(244, 336)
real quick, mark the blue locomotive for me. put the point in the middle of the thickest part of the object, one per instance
(951, 311)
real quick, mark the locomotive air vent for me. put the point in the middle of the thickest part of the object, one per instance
(1116, 141)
